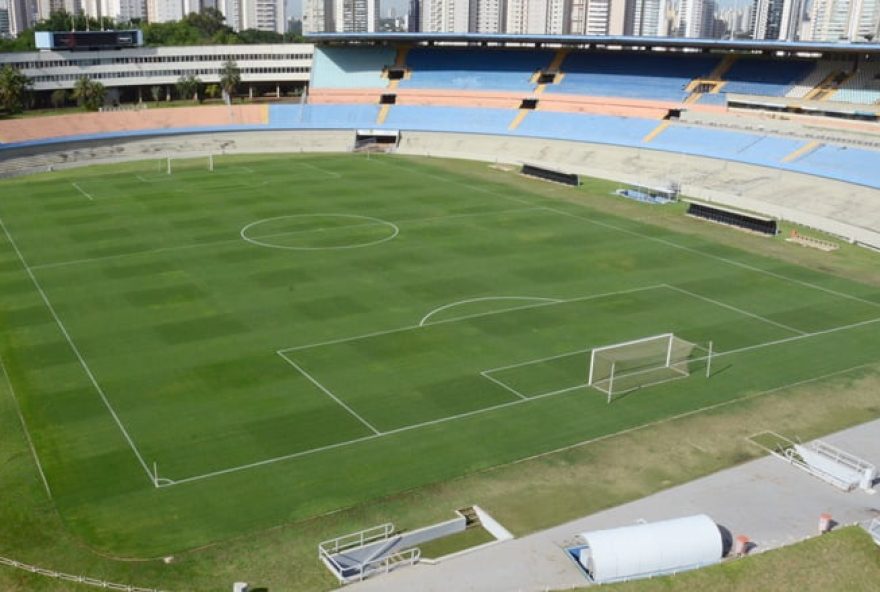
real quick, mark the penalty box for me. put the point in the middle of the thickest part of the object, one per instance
(403, 377)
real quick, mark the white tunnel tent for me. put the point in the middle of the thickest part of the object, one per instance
(651, 549)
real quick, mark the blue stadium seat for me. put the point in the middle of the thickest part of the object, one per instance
(774, 78)
(839, 162)
(322, 116)
(618, 74)
(449, 119)
(585, 128)
(474, 69)
(727, 145)
(339, 67)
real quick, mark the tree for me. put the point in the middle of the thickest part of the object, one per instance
(59, 98)
(188, 87)
(156, 92)
(88, 93)
(230, 78)
(13, 89)
(212, 91)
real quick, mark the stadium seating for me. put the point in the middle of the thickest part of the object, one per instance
(619, 74)
(822, 70)
(474, 69)
(452, 119)
(863, 87)
(336, 67)
(322, 116)
(586, 128)
(840, 162)
(728, 145)
(757, 76)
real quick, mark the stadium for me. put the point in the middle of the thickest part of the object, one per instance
(461, 291)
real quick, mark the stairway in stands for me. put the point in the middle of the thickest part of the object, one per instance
(711, 84)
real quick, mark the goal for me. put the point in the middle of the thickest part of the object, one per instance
(623, 367)
(178, 164)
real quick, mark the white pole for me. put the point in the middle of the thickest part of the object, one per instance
(709, 361)
(590, 372)
(211, 162)
(169, 165)
(155, 475)
(611, 381)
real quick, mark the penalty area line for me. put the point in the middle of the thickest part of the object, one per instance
(83, 191)
(327, 392)
(661, 421)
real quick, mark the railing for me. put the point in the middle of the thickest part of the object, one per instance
(73, 578)
(388, 563)
(356, 539)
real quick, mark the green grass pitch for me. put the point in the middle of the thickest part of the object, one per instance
(290, 335)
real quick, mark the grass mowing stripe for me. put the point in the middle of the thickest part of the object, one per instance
(274, 235)
(24, 428)
(79, 356)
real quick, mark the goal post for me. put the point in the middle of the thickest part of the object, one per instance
(623, 367)
(197, 162)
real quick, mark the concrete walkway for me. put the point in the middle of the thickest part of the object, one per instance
(773, 503)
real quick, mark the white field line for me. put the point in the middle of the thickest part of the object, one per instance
(76, 351)
(84, 192)
(662, 241)
(164, 178)
(732, 262)
(333, 174)
(484, 299)
(238, 239)
(503, 385)
(347, 443)
(327, 392)
(24, 428)
(735, 309)
(471, 316)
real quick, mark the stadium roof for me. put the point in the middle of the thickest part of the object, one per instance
(594, 40)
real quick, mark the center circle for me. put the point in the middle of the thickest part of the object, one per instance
(319, 232)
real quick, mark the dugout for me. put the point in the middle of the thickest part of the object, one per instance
(722, 215)
(651, 549)
(548, 174)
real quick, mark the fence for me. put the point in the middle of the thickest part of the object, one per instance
(72, 578)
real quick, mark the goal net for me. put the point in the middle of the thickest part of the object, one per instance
(183, 164)
(623, 367)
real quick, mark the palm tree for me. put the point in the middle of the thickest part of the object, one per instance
(13, 89)
(188, 87)
(230, 78)
(88, 93)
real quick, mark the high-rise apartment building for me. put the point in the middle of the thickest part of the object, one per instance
(598, 17)
(647, 18)
(4, 19)
(356, 16)
(164, 11)
(777, 19)
(835, 20)
(487, 16)
(538, 17)
(690, 19)
(264, 15)
(445, 16)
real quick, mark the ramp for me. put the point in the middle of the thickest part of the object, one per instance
(839, 468)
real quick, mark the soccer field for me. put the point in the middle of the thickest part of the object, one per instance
(202, 354)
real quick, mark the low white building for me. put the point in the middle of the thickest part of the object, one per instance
(283, 64)
(650, 549)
